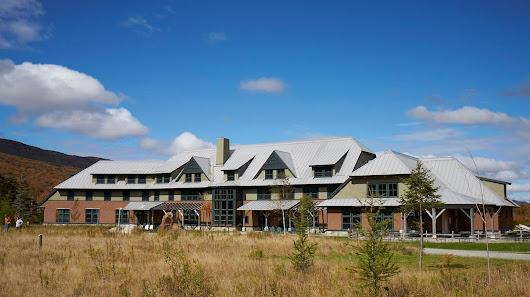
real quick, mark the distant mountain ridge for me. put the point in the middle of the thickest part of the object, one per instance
(20, 149)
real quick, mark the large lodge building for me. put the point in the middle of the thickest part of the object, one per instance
(228, 187)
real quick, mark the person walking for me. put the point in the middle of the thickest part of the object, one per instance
(18, 224)
(7, 222)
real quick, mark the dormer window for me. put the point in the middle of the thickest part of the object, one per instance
(100, 179)
(187, 178)
(111, 179)
(269, 174)
(131, 179)
(197, 178)
(141, 179)
(323, 171)
(230, 175)
(162, 179)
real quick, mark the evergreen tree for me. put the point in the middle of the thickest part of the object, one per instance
(302, 258)
(375, 259)
(419, 196)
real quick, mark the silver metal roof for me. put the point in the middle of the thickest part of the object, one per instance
(269, 205)
(390, 163)
(354, 202)
(302, 155)
(144, 205)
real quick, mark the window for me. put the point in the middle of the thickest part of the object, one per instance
(70, 196)
(280, 171)
(264, 194)
(386, 215)
(111, 179)
(62, 215)
(108, 195)
(230, 175)
(100, 179)
(190, 195)
(122, 217)
(187, 178)
(162, 179)
(224, 207)
(88, 196)
(126, 195)
(311, 191)
(385, 190)
(91, 216)
(141, 179)
(145, 195)
(131, 179)
(351, 218)
(269, 174)
(197, 178)
(157, 196)
(171, 196)
(191, 218)
(324, 171)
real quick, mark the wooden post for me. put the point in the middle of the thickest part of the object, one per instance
(40, 241)
(433, 223)
(472, 217)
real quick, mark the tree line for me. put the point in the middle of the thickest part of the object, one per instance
(16, 199)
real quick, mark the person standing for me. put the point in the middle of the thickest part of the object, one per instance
(18, 224)
(7, 222)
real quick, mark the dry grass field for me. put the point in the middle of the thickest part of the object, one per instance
(90, 261)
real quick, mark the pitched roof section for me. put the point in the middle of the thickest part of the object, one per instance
(328, 154)
(390, 163)
(269, 205)
(297, 156)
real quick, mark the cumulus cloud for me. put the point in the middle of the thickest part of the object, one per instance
(183, 142)
(487, 164)
(264, 84)
(519, 187)
(521, 90)
(431, 135)
(140, 24)
(113, 123)
(468, 115)
(214, 37)
(19, 23)
(60, 98)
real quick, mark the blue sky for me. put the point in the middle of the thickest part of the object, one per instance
(143, 80)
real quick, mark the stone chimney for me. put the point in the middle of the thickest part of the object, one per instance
(223, 150)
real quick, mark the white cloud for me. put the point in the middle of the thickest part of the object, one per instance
(468, 115)
(519, 187)
(139, 23)
(487, 164)
(19, 24)
(521, 90)
(183, 142)
(214, 37)
(61, 98)
(264, 84)
(110, 124)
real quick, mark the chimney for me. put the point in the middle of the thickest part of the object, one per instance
(223, 150)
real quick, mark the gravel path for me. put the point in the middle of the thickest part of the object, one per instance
(478, 254)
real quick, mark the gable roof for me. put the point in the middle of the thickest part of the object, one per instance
(390, 163)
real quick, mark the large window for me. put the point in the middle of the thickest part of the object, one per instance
(145, 195)
(70, 196)
(190, 195)
(351, 218)
(230, 175)
(111, 179)
(142, 179)
(386, 215)
(100, 179)
(324, 171)
(383, 190)
(311, 191)
(191, 218)
(131, 179)
(62, 215)
(171, 195)
(88, 196)
(197, 178)
(264, 194)
(224, 207)
(122, 216)
(91, 216)
(108, 195)
(126, 195)
(269, 174)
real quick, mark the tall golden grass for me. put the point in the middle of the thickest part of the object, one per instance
(90, 261)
